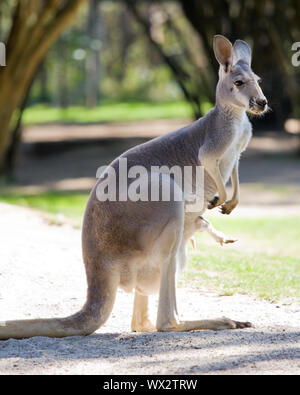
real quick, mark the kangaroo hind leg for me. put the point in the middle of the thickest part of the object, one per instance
(167, 316)
(140, 319)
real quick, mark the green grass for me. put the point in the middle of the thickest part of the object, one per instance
(108, 112)
(59, 207)
(264, 262)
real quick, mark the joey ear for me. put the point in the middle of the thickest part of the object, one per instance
(241, 51)
(223, 51)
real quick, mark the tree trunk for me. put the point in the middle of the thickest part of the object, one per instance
(93, 55)
(180, 74)
(27, 45)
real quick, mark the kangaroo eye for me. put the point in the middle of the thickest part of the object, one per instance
(259, 81)
(238, 83)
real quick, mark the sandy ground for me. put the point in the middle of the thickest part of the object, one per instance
(41, 275)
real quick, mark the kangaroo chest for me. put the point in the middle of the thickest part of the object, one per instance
(241, 137)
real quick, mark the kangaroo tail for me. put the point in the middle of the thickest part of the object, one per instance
(94, 313)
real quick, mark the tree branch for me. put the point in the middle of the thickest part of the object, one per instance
(179, 73)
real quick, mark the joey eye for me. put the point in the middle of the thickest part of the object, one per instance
(238, 83)
(259, 81)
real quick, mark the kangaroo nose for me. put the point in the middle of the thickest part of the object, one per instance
(261, 102)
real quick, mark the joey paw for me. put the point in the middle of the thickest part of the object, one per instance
(228, 241)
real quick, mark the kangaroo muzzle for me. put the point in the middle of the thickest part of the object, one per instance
(258, 105)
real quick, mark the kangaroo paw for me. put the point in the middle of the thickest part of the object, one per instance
(226, 240)
(213, 203)
(227, 207)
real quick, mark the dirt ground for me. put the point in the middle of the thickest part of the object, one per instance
(42, 275)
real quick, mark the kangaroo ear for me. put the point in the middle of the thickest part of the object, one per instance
(223, 51)
(241, 51)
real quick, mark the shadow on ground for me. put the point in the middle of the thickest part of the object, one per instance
(247, 347)
(71, 164)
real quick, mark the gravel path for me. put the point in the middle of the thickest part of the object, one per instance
(41, 275)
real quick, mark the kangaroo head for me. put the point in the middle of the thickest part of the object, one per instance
(238, 85)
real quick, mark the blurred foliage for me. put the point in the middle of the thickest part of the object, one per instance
(108, 111)
(270, 27)
(140, 50)
(129, 69)
(162, 51)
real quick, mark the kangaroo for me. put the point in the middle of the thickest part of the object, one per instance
(141, 245)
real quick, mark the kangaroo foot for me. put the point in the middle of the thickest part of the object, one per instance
(145, 326)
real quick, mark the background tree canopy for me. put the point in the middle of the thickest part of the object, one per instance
(131, 50)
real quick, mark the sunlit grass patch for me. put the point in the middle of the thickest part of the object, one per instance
(107, 112)
(228, 271)
(264, 262)
(59, 206)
